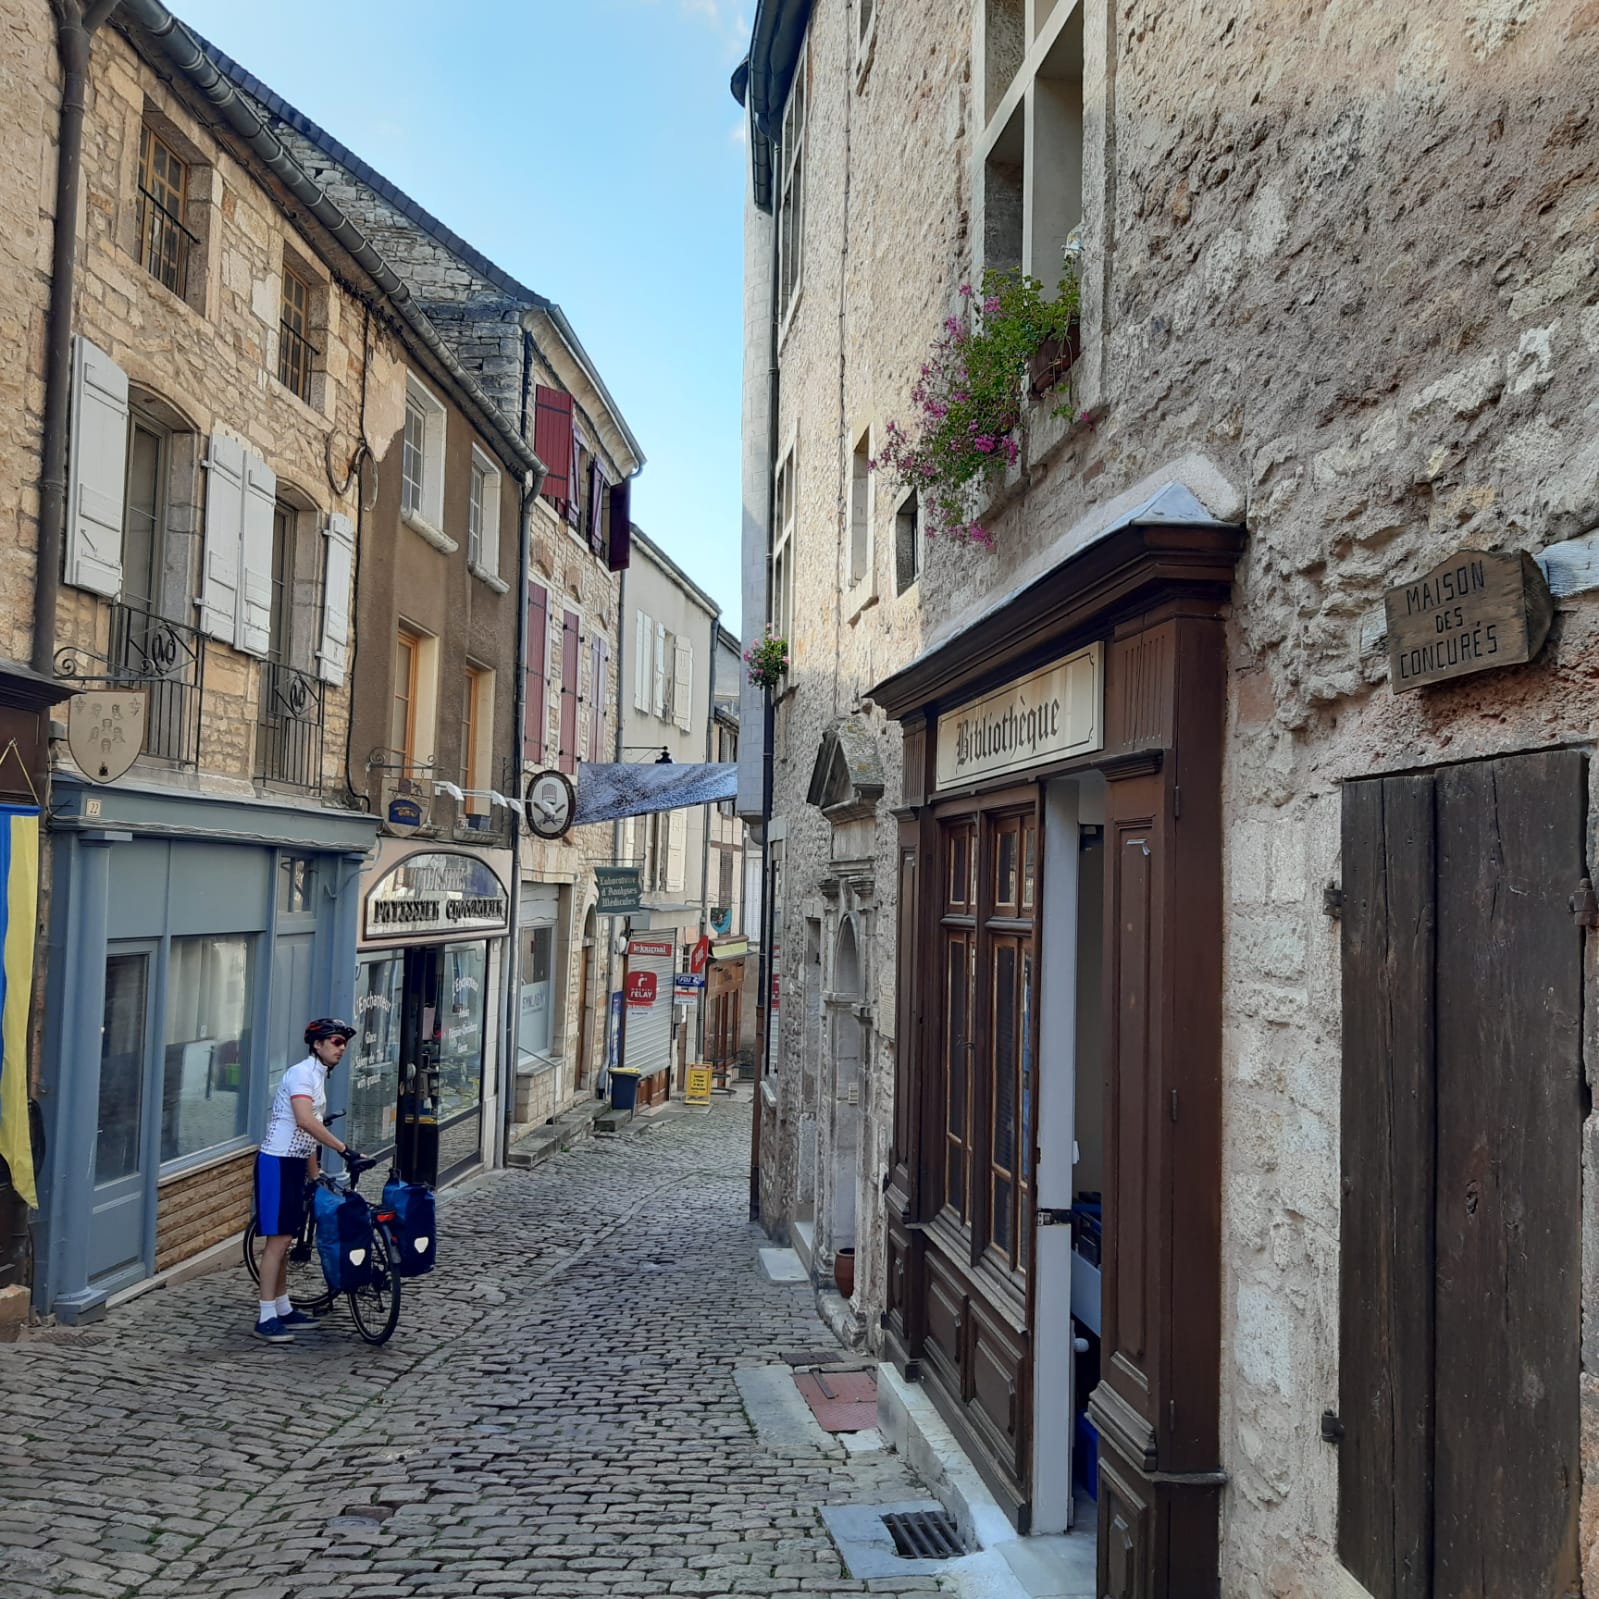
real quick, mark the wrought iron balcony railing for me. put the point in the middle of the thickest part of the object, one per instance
(166, 660)
(164, 244)
(290, 745)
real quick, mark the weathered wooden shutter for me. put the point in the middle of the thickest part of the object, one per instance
(254, 634)
(338, 570)
(676, 850)
(683, 683)
(98, 484)
(621, 529)
(552, 443)
(596, 530)
(535, 725)
(574, 499)
(1385, 1271)
(659, 701)
(569, 641)
(1462, 1111)
(224, 524)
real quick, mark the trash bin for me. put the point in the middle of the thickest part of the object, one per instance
(624, 1087)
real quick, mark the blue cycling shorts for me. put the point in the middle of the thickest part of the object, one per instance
(280, 1202)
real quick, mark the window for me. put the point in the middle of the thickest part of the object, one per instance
(860, 510)
(791, 192)
(473, 763)
(164, 242)
(294, 335)
(282, 583)
(422, 466)
(205, 1095)
(865, 37)
(483, 517)
(781, 596)
(402, 718)
(296, 878)
(907, 543)
(1030, 153)
(143, 515)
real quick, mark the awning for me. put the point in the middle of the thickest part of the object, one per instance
(608, 790)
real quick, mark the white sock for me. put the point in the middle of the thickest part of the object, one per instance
(269, 1310)
(284, 1306)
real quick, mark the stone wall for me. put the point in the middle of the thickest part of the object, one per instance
(1340, 279)
(203, 1208)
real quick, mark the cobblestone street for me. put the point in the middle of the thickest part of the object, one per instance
(556, 1415)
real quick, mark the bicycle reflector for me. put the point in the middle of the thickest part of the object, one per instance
(385, 1215)
(357, 1257)
(421, 1245)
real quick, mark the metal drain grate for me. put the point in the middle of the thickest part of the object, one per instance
(925, 1535)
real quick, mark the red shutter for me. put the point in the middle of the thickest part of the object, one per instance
(534, 724)
(621, 529)
(600, 654)
(568, 760)
(552, 443)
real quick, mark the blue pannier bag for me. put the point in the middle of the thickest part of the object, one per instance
(413, 1207)
(344, 1240)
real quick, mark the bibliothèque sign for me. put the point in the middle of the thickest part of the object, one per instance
(1471, 613)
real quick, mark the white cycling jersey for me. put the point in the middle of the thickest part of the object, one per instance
(306, 1079)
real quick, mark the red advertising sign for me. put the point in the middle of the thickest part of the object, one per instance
(641, 988)
(701, 952)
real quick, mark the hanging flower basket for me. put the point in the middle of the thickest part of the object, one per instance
(767, 659)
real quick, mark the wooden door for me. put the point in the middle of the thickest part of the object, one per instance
(1463, 1102)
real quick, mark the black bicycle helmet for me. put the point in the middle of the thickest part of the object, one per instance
(327, 1027)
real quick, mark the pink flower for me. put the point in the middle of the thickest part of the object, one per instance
(991, 305)
(966, 291)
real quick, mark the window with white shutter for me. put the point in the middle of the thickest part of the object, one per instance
(683, 683)
(660, 669)
(643, 649)
(254, 631)
(676, 850)
(338, 572)
(224, 526)
(99, 470)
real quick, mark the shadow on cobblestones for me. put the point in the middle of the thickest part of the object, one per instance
(556, 1415)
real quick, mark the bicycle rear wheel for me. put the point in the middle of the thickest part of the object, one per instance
(376, 1307)
(308, 1288)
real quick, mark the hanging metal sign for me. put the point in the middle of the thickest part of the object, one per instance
(105, 732)
(619, 889)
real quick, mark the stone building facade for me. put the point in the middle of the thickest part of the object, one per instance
(1294, 358)
(524, 352)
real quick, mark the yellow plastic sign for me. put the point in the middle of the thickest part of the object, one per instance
(698, 1091)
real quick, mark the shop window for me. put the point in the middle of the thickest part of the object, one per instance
(205, 1096)
(373, 1058)
(464, 984)
(536, 1026)
(122, 1058)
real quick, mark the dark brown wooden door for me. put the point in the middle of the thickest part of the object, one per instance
(1463, 1103)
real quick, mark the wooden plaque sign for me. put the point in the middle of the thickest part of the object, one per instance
(1470, 613)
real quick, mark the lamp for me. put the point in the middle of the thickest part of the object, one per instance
(456, 794)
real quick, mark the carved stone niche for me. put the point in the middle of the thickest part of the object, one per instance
(847, 779)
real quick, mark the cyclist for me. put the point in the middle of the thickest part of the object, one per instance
(287, 1162)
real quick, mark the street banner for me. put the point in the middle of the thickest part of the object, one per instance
(607, 790)
(19, 906)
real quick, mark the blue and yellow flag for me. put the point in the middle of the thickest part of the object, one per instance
(19, 910)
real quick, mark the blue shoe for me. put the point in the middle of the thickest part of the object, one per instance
(297, 1318)
(273, 1331)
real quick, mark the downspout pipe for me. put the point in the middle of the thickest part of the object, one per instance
(75, 25)
(705, 844)
(183, 50)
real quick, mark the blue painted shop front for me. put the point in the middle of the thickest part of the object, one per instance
(190, 938)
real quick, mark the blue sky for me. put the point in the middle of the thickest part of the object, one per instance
(594, 152)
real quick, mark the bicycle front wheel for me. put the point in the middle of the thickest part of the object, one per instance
(308, 1288)
(376, 1307)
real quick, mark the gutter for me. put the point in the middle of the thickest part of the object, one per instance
(186, 54)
